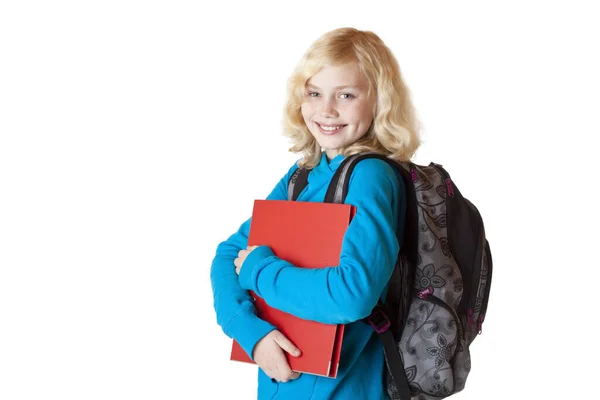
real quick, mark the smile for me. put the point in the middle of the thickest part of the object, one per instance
(328, 130)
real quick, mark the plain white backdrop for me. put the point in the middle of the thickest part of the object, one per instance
(134, 137)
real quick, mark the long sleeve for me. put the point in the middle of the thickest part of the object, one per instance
(347, 292)
(233, 304)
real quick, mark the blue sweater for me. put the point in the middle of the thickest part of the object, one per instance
(339, 294)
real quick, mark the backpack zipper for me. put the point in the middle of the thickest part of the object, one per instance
(427, 295)
(486, 295)
(445, 178)
(475, 284)
(469, 304)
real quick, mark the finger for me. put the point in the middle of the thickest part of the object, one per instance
(286, 345)
(237, 262)
(250, 248)
(294, 375)
(290, 376)
(280, 372)
(286, 374)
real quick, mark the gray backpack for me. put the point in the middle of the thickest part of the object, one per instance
(438, 294)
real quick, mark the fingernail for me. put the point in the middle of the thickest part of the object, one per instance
(296, 352)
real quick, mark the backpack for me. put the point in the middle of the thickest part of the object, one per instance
(438, 293)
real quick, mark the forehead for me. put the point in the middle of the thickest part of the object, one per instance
(334, 76)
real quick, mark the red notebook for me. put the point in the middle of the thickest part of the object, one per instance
(308, 235)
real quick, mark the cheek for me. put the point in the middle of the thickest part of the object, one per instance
(358, 108)
(364, 113)
(305, 110)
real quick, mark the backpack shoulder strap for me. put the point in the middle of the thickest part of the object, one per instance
(297, 183)
(336, 193)
(338, 187)
(338, 190)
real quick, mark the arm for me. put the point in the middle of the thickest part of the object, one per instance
(233, 304)
(349, 291)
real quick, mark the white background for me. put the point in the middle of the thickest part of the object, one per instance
(135, 135)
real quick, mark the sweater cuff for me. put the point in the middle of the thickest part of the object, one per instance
(249, 273)
(247, 329)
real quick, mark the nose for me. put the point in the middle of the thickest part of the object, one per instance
(328, 108)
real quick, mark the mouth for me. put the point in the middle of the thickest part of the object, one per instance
(330, 129)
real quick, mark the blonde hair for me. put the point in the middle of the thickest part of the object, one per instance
(395, 128)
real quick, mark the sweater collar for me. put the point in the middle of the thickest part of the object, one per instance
(325, 169)
(330, 165)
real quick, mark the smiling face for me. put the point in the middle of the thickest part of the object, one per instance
(336, 108)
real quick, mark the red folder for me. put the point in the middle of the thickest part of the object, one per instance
(308, 235)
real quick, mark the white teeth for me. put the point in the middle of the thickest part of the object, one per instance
(330, 129)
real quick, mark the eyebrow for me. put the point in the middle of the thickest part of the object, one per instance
(336, 88)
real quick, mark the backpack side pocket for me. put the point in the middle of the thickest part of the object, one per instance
(428, 346)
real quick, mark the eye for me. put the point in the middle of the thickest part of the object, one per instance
(312, 94)
(350, 96)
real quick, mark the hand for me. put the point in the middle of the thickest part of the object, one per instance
(270, 357)
(242, 254)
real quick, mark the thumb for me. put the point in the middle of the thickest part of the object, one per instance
(286, 345)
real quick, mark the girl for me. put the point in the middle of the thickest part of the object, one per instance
(345, 97)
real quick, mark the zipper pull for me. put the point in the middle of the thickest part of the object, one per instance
(413, 174)
(449, 187)
(470, 317)
(423, 294)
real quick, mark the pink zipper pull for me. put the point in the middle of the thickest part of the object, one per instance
(413, 174)
(450, 187)
(423, 294)
(470, 317)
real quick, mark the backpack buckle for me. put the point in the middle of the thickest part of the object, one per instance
(379, 321)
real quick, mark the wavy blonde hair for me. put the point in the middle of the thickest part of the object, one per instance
(395, 128)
